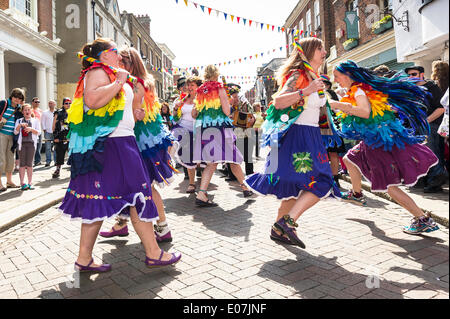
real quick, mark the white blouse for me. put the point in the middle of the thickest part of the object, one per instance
(126, 125)
(311, 113)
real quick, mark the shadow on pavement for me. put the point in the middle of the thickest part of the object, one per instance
(230, 223)
(129, 277)
(314, 277)
(413, 251)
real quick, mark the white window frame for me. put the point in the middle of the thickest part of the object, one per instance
(301, 25)
(98, 24)
(308, 22)
(317, 14)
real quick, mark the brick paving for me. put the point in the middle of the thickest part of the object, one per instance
(351, 252)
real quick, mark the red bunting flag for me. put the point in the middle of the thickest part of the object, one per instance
(209, 10)
(238, 18)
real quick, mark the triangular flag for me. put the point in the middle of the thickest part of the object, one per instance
(195, 5)
(217, 13)
(203, 8)
(273, 27)
(250, 22)
(232, 18)
(209, 10)
(245, 21)
(225, 15)
(186, 1)
(262, 26)
(238, 19)
(176, 1)
(283, 29)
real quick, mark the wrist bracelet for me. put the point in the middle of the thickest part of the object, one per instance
(300, 92)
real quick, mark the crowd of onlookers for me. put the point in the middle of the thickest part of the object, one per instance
(24, 129)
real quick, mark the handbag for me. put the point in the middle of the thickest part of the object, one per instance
(2, 119)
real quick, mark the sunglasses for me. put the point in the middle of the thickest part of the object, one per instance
(67, 103)
(109, 50)
(37, 102)
(414, 74)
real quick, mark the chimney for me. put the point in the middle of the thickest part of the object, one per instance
(145, 21)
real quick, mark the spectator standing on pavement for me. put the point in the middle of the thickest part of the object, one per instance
(106, 165)
(9, 113)
(167, 115)
(437, 176)
(259, 120)
(60, 129)
(28, 129)
(37, 113)
(47, 129)
(389, 154)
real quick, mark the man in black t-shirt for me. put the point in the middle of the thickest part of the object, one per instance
(437, 175)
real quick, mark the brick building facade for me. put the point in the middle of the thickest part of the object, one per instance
(364, 33)
(147, 47)
(313, 17)
(29, 48)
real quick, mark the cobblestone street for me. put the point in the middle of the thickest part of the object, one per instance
(351, 252)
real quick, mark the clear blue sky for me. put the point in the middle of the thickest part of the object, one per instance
(197, 38)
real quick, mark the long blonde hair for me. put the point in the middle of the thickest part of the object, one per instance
(440, 74)
(295, 62)
(137, 67)
(211, 73)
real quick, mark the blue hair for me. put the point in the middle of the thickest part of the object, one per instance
(405, 97)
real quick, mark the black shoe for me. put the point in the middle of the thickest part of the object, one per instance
(420, 183)
(438, 181)
(432, 189)
(56, 174)
(37, 164)
(201, 203)
(47, 165)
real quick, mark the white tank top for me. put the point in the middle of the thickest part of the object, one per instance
(187, 120)
(126, 125)
(310, 116)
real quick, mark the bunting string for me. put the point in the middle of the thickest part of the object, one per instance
(240, 20)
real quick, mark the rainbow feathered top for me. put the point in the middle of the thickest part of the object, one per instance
(209, 108)
(278, 121)
(151, 134)
(382, 128)
(89, 128)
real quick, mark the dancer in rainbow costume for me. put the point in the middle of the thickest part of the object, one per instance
(213, 134)
(297, 170)
(183, 130)
(108, 175)
(153, 140)
(373, 111)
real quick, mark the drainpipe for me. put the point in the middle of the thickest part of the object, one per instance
(93, 17)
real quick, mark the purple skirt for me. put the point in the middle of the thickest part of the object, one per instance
(392, 168)
(123, 183)
(160, 169)
(301, 164)
(184, 154)
(216, 145)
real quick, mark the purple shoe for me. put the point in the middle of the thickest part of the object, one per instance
(121, 233)
(167, 238)
(102, 268)
(159, 263)
(279, 238)
(282, 225)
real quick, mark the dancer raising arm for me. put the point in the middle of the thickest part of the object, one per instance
(108, 176)
(389, 154)
(298, 173)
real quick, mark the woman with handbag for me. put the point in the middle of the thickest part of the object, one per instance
(9, 114)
